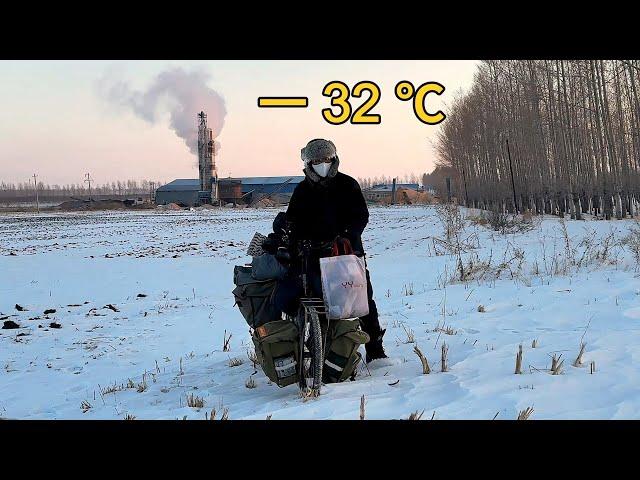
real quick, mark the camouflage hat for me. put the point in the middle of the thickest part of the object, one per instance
(318, 149)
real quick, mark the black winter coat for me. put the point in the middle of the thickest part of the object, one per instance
(322, 212)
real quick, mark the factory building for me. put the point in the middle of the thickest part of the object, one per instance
(230, 190)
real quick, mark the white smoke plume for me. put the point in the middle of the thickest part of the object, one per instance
(184, 94)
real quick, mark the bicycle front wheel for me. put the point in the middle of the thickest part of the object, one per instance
(312, 352)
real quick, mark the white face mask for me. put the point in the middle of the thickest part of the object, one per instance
(322, 169)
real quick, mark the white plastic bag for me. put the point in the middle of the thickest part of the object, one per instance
(344, 286)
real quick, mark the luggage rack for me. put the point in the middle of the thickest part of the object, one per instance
(314, 303)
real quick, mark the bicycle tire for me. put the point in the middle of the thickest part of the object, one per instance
(311, 371)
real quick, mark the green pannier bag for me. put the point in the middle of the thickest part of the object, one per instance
(277, 349)
(255, 297)
(341, 355)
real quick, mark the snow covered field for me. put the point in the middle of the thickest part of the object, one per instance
(143, 300)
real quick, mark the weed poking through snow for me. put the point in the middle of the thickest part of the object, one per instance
(407, 290)
(416, 416)
(253, 358)
(362, 407)
(556, 365)
(250, 383)
(85, 406)
(519, 361)
(425, 364)
(578, 361)
(226, 346)
(194, 401)
(235, 362)
(142, 387)
(525, 414)
(443, 358)
(410, 335)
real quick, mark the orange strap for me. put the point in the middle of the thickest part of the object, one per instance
(346, 247)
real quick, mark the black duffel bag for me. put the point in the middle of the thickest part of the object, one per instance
(254, 297)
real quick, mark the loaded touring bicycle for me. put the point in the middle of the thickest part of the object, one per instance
(319, 344)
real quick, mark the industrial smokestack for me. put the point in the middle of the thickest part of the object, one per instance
(180, 92)
(206, 160)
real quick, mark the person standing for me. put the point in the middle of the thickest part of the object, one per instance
(329, 203)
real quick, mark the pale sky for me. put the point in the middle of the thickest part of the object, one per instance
(53, 121)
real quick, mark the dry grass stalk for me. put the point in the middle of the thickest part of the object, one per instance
(592, 367)
(195, 402)
(534, 344)
(181, 370)
(112, 389)
(131, 384)
(416, 416)
(253, 358)
(269, 416)
(235, 362)
(525, 414)
(519, 361)
(85, 406)
(128, 416)
(250, 383)
(362, 407)
(142, 387)
(446, 330)
(226, 346)
(481, 309)
(410, 335)
(408, 289)
(556, 365)
(425, 364)
(225, 414)
(309, 393)
(443, 359)
(578, 361)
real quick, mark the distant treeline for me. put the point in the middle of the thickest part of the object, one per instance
(366, 182)
(550, 136)
(25, 191)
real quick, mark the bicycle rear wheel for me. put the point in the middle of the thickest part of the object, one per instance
(311, 351)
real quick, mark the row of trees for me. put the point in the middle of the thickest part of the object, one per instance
(366, 182)
(550, 136)
(25, 190)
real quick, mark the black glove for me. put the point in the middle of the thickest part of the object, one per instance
(270, 244)
(283, 256)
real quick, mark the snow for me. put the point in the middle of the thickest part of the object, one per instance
(183, 262)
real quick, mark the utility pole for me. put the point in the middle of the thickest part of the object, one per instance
(87, 178)
(35, 184)
(513, 185)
